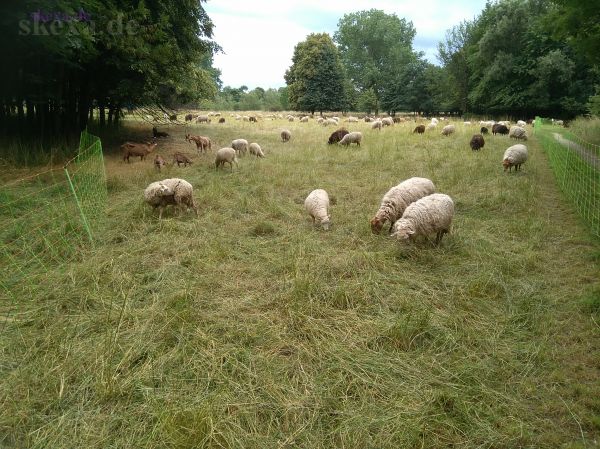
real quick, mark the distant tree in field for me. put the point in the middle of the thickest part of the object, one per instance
(316, 80)
(284, 98)
(374, 45)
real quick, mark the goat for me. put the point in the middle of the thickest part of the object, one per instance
(181, 158)
(137, 149)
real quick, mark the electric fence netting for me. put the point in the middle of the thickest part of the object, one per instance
(46, 220)
(576, 165)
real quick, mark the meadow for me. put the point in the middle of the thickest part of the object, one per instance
(249, 328)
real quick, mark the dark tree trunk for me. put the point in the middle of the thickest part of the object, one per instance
(102, 113)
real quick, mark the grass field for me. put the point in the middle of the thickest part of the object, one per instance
(248, 328)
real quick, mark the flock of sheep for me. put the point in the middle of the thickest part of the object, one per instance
(412, 208)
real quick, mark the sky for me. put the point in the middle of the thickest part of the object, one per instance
(258, 36)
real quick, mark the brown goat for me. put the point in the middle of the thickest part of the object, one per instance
(419, 129)
(159, 162)
(137, 149)
(181, 158)
(202, 143)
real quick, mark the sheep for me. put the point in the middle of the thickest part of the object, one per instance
(420, 129)
(226, 155)
(255, 149)
(329, 121)
(514, 156)
(477, 142)
(431, 126)
(377, 124)
(290, 118)
(448, 129)
(317, 206)
(202, 143)
(202, 119)
(368, 119)
(352, 119)
(159, 162)
(484, 130)
(253, 119)
(222, 120)
(428, 215)
(285, 135)
(189, 117)
(467, 123)
(397, 119)
(353, 137)
(137, 149)
(304, 119)
(498, 128)
(156, 133)
(180, 158)
(240, 145)
(320, 120)
(516, 132)
(336, 136)
(521, 123)
(397, 199)
(173, 191)
(434, 121)
(387, 121)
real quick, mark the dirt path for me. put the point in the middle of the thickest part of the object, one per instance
(587, 155)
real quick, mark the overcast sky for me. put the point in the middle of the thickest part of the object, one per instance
(258, 36)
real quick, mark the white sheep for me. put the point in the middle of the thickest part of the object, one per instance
(304, 119)
(514, 156)
(353, 137)
(521, 123)
(317, 206)
(173, 191)
(226, 155)
(431, 126)
(377, 124)
(428, 215)
(516, 132)
(240, 145)
(202, 119)
(352, 119)
(387, 121)
(397, 199)
(434, 121)
(255, 149)
(285, 135)
(448, 129)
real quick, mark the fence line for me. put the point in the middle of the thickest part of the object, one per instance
(46, 220)
(576, 165)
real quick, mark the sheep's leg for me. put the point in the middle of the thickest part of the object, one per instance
(160, 211)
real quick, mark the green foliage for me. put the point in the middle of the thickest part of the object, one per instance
(316, 79)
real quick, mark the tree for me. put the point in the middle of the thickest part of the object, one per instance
(374, 45)
(316, 79)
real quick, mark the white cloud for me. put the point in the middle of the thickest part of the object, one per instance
(258, 37)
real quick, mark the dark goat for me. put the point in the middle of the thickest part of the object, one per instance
(181, 158)
(159, 162)
(157, 133)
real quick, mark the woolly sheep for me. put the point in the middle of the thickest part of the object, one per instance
(353, 137)
(202, 119)
(285, 135)
(499, 128)
(255, 149)
(431, 126)
(477, 142)
(420, 129)
(428, 215)
(483, 130)
(320, 120)
(226, 155)
(377, 124)
(337, 135)
(397, 199)
(240, 145)
(304, 119)
(448, 129)
(516, 132)
(521, 123)
(387, 121)
(352, 119)
(514, 156)
(173, 191)
(317, 206)
(434, 121)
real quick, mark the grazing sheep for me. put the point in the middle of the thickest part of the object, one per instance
(240, 146)
(290, 118)
(514, 156)
(477, 142)
(137, 149)
(420, 129)
(336, 136)
(253, 119)
(226, 155)
(521, 123)
(397, 119)
(516, 132)
(353, 137)
(304, 119)
(317, 206)
(173, 191)
(245, 118)
(368, 119)
(499, 128)
(434, 121)
(397, 199)
(352, 119)
(255, 149)
(203, 143)
(285, 135)
(431, 126)
(428, 215)
(377, 124)
(180, 158)
(387, 121)
(329, 121)
(159, 162)
(483, 130)
(202, 119)
(222, 120)
(189, 117)
(320, 120)
(448, 129)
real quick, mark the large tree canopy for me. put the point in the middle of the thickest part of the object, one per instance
(316, 79)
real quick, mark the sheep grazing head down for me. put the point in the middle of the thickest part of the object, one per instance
(326, 223)
(376, 225)
(403, 231)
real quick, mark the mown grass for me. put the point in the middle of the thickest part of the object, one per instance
(247, 327)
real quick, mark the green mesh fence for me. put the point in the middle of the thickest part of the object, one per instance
(576, 165)
(46, 220)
